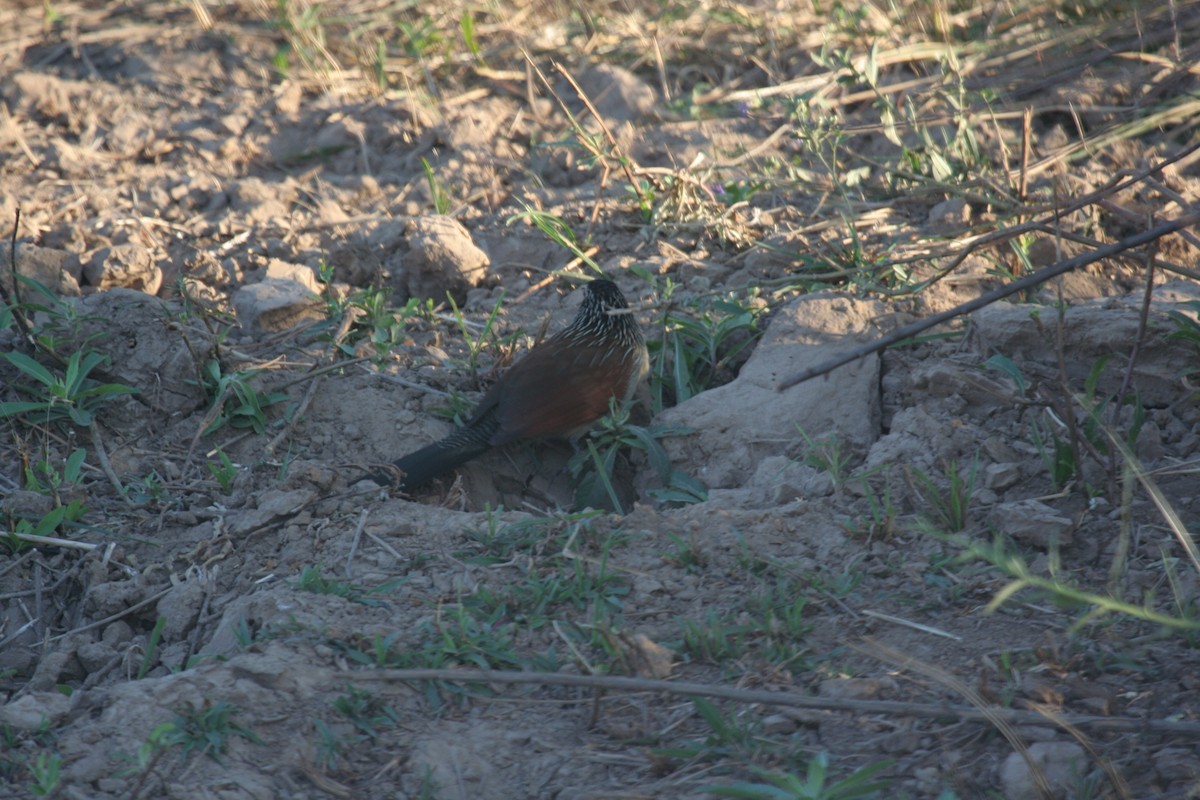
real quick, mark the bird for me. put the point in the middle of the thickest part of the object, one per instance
(556, 390)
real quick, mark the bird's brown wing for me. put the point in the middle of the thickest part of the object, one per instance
(557, 391)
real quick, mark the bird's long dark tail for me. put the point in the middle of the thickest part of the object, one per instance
(442, 456)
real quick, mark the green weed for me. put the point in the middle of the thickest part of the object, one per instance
(814, 785)
(70, 395)
(235, 401)
(207, 730)
(947, 507)
(310, 580)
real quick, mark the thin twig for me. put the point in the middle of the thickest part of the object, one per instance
(51, 541)
(102, 457)
(1028, 282)
(898, 708)
(354, 540)
(125, 612)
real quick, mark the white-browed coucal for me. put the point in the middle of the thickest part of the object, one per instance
(558, 389)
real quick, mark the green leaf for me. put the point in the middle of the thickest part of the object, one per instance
(13, 408)
(1006, 365)
(31, 368)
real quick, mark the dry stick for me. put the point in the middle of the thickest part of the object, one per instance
(114, 617)
(612, 140)
(52, 541)
(895, 707)
(1160, 501)
(354, 540)
(1139, 340)
(1028, 282)
(14, 302)
(102, 457)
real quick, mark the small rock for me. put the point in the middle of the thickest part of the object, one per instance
(24, 503)
(442, 258)
(51, 669)
(617, 94)
(95, 656)
(999, 477)
(778, 724)
(782, 480)
(57, 270)
(276, 304)
(30, 711)
(132, 136)
(117, 633)
(1061, 763)
(125, 265)
(272, 504)
(1032, 522)
(1150, 443)
(950, 216)
(180, 607)
(1176, 764)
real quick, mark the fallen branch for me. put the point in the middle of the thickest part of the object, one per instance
(894, 707)
(1028, 282)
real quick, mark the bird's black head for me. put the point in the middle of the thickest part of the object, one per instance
(604, 293)
(600, 298)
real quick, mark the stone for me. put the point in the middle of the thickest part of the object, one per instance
(126, 266)
(442, 258)
(736, 426)
(1061, 763)
(1032, 522)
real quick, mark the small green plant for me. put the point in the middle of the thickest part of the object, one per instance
(375, 321)
(46, 478)
(827, 455)
(1095, 605)
(365, 711)
(45, 526)
(441, 201)
(303, 31)
(143, 762)
(331, 745)
(556, 230)
(236, 403)
(531, 600)
(487, 333)
(429, 786)
(593, 469)
(378, 66)
(880, 521)
(466, 24)
(208, 729)
(712, 640)
(687, 555)
(698, 346)
(152, 647)
(813, 786)
(1056, 453)
(151, 490)
(1187, 328)
(778, 617)
(224, 470)
(71, 395)
(45, 771)
(310, 580)
(419, 38)
(949, 508)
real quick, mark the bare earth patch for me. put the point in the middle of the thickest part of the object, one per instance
(308, 238)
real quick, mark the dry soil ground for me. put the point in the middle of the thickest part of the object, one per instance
(221, 610)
